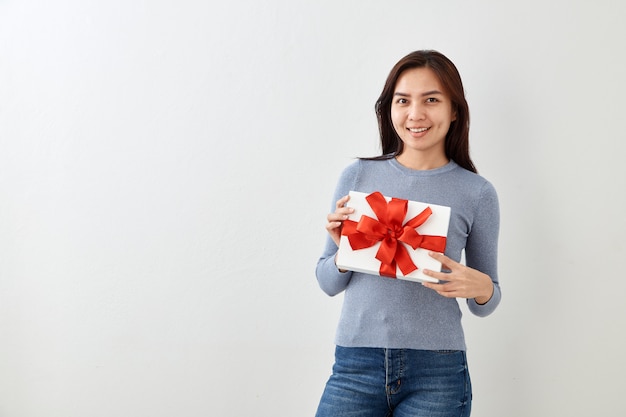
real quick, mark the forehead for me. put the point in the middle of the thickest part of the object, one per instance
(418, 80)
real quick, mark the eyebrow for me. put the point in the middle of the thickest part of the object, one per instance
(426, 93)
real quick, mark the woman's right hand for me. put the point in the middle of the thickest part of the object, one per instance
(335, 220)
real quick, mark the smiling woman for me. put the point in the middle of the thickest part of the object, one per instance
(421, 115)
(444, 78)
(424, 124)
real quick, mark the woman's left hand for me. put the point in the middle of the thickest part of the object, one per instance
(461, 282)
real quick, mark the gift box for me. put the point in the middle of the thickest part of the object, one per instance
(391, 237)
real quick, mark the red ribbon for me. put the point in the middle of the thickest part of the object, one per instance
(390, 231)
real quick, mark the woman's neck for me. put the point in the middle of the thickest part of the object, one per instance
(417, 162)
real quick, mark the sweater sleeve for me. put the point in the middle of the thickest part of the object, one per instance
(330, 279)
(481, 251)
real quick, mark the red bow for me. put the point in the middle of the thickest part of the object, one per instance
(389, 230)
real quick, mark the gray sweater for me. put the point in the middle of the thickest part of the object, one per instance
(395, 313)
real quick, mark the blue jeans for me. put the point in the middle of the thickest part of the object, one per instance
(373, 382)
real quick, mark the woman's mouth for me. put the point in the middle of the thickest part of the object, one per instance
(418, 129)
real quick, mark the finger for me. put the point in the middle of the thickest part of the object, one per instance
(447, 289)
(342, 201)
(337, 216)
(435, 274)
(333, 225)
(432, 285)
(341, 214)
(438, 288)
(344, 210)
(438, 256)
(445, 261)
(442, 277)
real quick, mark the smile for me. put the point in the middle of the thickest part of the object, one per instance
(418, 130)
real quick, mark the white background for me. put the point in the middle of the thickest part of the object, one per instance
(166, 169)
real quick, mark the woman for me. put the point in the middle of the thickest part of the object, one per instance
(400, 345)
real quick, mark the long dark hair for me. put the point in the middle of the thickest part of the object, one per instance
(457, 138)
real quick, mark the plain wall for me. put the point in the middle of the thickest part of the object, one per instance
(166, 169)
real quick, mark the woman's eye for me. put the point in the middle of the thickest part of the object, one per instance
(402, 101)
(431, 100)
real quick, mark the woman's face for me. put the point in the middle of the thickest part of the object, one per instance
(421, 113)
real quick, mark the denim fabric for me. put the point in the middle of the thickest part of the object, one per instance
(374, 382)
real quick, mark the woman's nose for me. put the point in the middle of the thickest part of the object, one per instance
(416, 112)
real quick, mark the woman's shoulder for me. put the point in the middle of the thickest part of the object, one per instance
(364, 164)
(471, 178)
(471, 185)
(364, 171)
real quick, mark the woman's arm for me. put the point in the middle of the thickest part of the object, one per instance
(477, 281)
(331, 280)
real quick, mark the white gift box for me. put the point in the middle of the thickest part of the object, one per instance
(364, 260)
